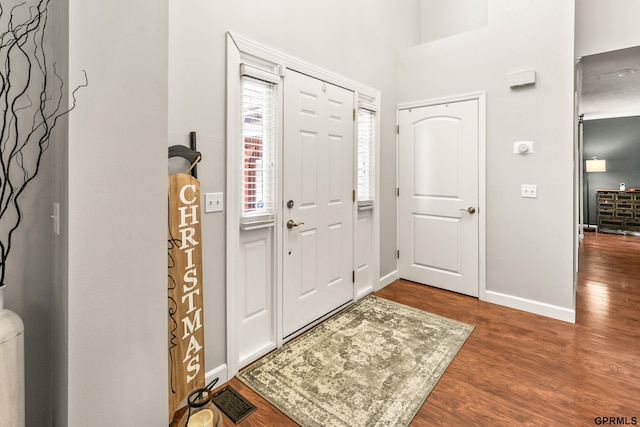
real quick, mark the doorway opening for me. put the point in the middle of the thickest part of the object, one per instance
(608, 148)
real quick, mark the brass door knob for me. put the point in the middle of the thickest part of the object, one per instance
(291, 224)
(470, 209)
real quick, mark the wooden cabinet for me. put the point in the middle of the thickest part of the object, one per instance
(618, 210)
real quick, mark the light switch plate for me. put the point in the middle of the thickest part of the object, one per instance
(529, 191)
(213, 202)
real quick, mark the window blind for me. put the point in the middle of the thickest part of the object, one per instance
(258, 150)
(366, 157)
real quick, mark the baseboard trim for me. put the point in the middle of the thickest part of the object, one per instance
(531, 306)
(363, 292)
(219, 372)
(387, 279)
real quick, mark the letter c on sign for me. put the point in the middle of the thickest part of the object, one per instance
(183, 190)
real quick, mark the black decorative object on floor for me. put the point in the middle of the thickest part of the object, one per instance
(233, 404)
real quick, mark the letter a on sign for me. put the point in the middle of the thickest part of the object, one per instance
(186, 343)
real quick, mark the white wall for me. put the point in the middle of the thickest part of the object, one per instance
(117, 213)
(58, 359)
(529, 241)
(356, 39)
(443, 18)
(606, 25)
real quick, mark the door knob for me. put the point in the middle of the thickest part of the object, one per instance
(291, 224)
(470, 209)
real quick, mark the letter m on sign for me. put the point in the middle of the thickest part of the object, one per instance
(184, 281)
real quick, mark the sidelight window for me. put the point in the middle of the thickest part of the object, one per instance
(366, 157)
(258, 148)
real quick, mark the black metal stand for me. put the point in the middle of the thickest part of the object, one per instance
(588, 228)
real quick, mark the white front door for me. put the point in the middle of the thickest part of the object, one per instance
(438, 202)
(318, 205)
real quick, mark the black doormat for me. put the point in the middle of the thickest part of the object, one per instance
(233, 404)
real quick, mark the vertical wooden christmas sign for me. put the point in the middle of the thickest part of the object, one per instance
(186, 331)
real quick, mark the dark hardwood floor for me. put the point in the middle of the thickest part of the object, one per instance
(518, 368)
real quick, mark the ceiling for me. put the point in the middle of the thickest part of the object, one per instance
(611, 84)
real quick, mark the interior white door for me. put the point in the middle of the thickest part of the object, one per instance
(318, 205)
(438, 202)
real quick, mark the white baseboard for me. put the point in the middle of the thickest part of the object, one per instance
(531, 306)
(220, 372)
(361, 293)
(387, 280)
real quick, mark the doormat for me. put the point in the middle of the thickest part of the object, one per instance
(373, 364)
(233, 404)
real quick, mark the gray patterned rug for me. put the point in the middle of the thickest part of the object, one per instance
(373, 364)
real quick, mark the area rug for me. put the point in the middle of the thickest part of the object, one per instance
(373, 364)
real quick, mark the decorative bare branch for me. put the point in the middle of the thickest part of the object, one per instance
(31, 103)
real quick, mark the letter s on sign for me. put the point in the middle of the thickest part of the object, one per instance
(183, 190)
(194, 365)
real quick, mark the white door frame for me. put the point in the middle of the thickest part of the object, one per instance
(240, 49)
(482, 159)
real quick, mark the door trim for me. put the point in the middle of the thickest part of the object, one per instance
(481, 97)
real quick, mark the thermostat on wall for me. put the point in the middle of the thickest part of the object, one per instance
(522, 78)
(523, 147)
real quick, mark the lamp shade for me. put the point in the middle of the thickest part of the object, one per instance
(595, 165)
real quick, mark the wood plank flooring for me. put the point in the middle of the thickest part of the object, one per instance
(518, 368)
